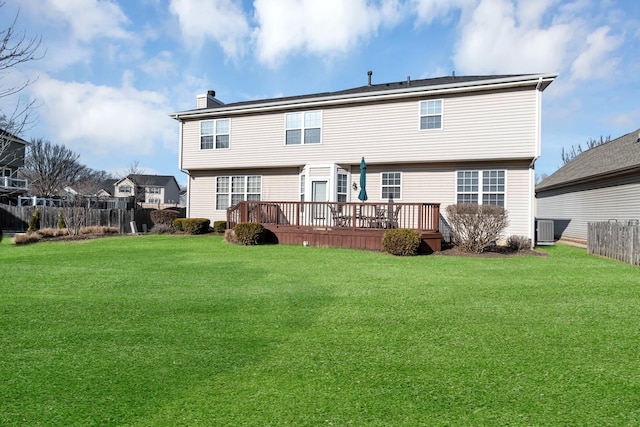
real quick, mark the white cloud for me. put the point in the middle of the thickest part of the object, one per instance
(428, 10)
(220, 20)
(87, 19)
(105, 121)
(595, 60)
(498, 38)
(324, 28)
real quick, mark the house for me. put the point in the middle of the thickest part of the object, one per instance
(12, 153)
(600, 184)
(446, 140)
(149, 189)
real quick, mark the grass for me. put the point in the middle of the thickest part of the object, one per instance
(188, 330)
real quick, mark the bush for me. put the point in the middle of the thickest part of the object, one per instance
(219, 226)
(519, 243)
(23, 239)
(192, 225)
(164, 216)
(53, 232)
(249, 233)
(401, 241)
(162, 229)
(34, 222)
(98, 230)
(473, 226)
(61, 223)
(230, 236)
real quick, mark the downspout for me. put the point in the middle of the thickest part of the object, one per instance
(532, 170)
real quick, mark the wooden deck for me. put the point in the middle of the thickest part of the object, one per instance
(349, 225)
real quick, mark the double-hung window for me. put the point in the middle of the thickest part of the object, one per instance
(481, 187)
(214, 134)
(431, 114)
(233, 189)
(391, 185)
(303, 128)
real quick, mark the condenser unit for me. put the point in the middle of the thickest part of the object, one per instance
(544, 232)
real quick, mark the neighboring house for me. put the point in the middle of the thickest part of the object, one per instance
(444, 140)
(12, 152)
(149, 189)
(107, 188)
(600, 184)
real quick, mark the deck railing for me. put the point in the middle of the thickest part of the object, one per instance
(418, 216)
(8, 183)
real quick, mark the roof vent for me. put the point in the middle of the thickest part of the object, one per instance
(369, 73)
(453, 74)
(409, 80)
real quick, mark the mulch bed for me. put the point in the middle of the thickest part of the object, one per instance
(490, 252)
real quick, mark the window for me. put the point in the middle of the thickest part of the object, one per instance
(233, 189)
(124, 189)
(342, 187)
(391, 185)
(214, 133)
(431, 114)
(154, 201)
(303, 128)
(490, 191)
(154, 190)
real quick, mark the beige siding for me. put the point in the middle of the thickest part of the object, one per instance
(420, 183)
(572, 210)
(482, 126)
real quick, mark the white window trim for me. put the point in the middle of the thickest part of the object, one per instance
(230, 193)
(480, 192)
(302, 128)
(431, 115)
(382, 186)
(215, 133)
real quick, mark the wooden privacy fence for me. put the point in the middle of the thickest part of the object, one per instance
(16, 218)
(615, 240)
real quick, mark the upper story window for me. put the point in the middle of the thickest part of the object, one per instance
(303, 128)
(431, 114)
(124, 189)
(391, 185)
(154, 190)
(214, 134)
(489, 191)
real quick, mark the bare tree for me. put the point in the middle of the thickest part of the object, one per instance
(576, 150)
(16, 48)
(50, 167)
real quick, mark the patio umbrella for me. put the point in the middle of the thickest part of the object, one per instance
(363, 181)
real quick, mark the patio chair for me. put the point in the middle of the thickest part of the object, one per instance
(339, 219)
(392, 220)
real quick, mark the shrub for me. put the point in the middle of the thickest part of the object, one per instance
(230, 236)
(164, 216)
(53, 232)
(192, 225)
(61, 223)
(98, 229)
(219, 226)
(401, 241)
(519, 243)
(23, 239)
(34, 222)
(162, 229)
(473, 226)
(249, 233)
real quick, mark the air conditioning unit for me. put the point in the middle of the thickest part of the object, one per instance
(544, 232)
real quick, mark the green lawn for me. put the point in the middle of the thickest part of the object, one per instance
(177, 330)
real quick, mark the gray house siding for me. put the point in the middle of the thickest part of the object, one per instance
(572, 208)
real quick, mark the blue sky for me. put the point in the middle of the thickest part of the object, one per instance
(113, 71)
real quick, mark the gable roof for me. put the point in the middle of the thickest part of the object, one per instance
(11, 137)
(149, 180)
(402, 88)
(614, 157)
